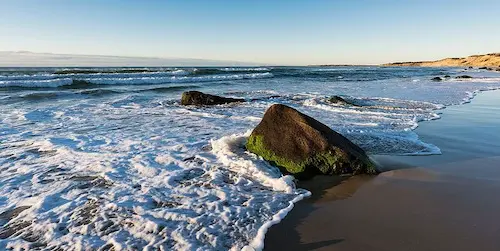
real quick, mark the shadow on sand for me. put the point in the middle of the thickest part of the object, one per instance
(324, 189)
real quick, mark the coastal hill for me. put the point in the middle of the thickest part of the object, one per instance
(488, 60)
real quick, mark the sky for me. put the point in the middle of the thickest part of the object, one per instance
(286, 32)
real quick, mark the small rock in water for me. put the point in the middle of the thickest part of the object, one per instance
(264, 98)
(483, 68)
(463, 76)
(341, 101)
(304, 147)
(189, 158)
(436, 79)
(447, 76)
(200, 98)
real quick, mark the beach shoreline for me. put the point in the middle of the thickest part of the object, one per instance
(436, 202)
(75, 140)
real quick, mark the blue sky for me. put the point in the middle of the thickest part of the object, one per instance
(274, 32)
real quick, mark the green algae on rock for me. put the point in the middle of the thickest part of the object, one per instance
(304, 147)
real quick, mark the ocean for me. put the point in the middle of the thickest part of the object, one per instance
(107, 157)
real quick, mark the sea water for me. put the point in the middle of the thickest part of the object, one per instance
(107, 157)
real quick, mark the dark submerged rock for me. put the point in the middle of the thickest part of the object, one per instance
(463, 77)
(13, 213)
(447, 76)
(341, 101)
(483, 68)
(200, 98)
(436, 79)
(265, 98)
(303, 146)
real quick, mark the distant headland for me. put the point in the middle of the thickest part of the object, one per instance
(487, 60)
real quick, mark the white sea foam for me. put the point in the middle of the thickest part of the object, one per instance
(226, 150)
(132, 187)
(258, 242)
(381, 125)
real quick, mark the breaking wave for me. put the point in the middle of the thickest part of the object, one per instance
(58, 82)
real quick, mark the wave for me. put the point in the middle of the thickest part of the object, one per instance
(110, 75)
(245, 69)
(226, 202)
(393, 143)
(181, 174)
(32, 97)
(99, 92)
(380, 125)
(172, 88)
(213, 71)
(72, 71)
(79, 83)
(58, 77)
(94, 92)
(177, 79)
(229, 151)
(38, 76)
(395, 104)
(101, 71)
(49, 83)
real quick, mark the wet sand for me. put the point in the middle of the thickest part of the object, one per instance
(440, 202)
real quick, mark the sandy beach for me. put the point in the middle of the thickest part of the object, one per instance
(438, 202)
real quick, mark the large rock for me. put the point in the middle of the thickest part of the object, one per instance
(303, 146)
(200, 98)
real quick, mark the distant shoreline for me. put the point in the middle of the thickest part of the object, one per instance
(491, 60)
(340, 65)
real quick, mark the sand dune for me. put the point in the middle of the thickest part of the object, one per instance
(488, 60)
